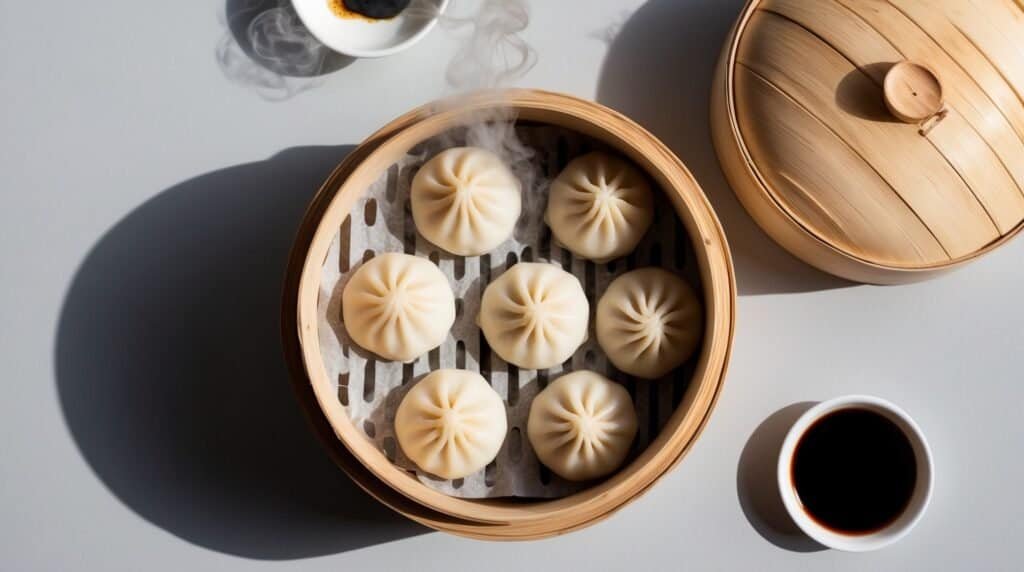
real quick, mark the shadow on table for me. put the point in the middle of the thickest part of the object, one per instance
(757, 485)
(171, 376)
(658, 72)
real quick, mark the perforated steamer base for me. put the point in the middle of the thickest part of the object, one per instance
(371, 389)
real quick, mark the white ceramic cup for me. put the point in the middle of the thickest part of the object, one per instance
(361, 38)
(918, 500)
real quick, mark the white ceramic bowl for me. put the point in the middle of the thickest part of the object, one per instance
(857, 542)
(363, 38)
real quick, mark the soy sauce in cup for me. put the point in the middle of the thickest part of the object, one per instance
(854, 471)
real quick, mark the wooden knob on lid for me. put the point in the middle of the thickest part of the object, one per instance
(912, 92)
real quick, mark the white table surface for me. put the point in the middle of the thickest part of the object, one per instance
(147, 423)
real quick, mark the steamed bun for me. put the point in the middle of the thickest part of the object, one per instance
(465, 200)
(649, 321)
(398, 306)
(535, 315)
(582, 425)
(451, 423)
(600, 207)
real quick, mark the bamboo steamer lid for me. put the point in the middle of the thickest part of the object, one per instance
(879, 140)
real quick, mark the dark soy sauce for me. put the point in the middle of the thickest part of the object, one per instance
(854, 471)
(377, 9)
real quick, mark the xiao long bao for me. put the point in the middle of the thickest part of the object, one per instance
(398, 306)
(600, 207)
(535, 315)
(451, 423)
(465, 200)
(649, 321)
(582, 425)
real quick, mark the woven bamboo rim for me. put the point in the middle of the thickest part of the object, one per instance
(515, 518)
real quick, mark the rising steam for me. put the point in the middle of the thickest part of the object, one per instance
(494, 54)
(491, 56)
(266, 48)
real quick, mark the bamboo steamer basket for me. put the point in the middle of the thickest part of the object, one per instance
(505, 518)
(874, 171)
(318, 421)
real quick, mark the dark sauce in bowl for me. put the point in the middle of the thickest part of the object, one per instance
(854, 471)
(369, 9)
